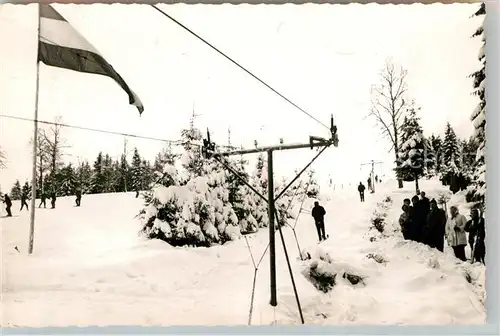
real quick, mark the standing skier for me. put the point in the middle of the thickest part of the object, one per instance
(8, 205)
(78, 200)
(361, 190)
(43, 198)
(24, 197)
(369, 181)
(318, 213)
(53, 199)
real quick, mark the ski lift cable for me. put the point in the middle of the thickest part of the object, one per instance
(175, 142)
(238, 65)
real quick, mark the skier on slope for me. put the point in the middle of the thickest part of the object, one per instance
(24, 198)
(53, 199)
(78, 195)
(361, 190)
(318, 213)
(43, 198)
(8, 205)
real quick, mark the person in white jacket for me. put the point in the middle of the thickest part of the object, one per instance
(455, 233)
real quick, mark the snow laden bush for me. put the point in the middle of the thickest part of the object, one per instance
(197, 213)
(312, 185)
(380, 214)
(324, 273)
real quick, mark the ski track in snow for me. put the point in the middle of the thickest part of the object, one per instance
(90, 267)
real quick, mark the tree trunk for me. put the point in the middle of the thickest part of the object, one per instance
(41, 176)
(396, 149)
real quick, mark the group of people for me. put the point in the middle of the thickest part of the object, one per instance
(424, 222)
(43, 198)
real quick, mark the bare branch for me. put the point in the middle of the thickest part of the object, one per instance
(388, 103)
(3, 159)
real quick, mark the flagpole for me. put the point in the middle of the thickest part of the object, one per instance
(35, 141)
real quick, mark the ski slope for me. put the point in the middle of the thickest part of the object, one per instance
(90, 267)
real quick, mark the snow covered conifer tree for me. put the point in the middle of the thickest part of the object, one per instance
(66, 180)
(84, 177)
(478, 189)
(259, 181)
(451, 159)
(97, 175)
(27, 189)
(312, 185)
(137, 171)
(16, 191)
(415, 155)
(191, 159)
(194, 209)
(436, 144)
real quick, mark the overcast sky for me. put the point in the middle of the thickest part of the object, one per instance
(322, 57)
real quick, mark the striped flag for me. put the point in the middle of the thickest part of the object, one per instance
(60, 45)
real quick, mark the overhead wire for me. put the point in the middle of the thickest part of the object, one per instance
(238, 65)
(175, 142)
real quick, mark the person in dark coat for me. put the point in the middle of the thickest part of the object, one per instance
(318, 213)
(425, 203)
(361, 190)
(405, 221)
(477, 235)
(53, 199)
(418, 219)
(8, 205)
(43, 198)
(435, 227)
(369, 181)
(78, 199)
(24, 197)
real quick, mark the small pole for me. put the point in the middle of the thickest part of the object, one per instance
(35, 145)
(373, 176)
(272, 245)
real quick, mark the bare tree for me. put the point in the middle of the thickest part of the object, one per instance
(42, 157)
(3, 159)
(388, 105)
(54, 145)
(49, 152)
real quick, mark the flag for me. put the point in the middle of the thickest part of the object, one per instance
(60, 45)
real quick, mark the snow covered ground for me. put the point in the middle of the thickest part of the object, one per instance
(90, 267)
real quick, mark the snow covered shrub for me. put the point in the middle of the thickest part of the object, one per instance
(312, 185)
(378, 220)
(353, 278)
(433, 262)
(377, 257)
(320, 276)
(197, 213)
